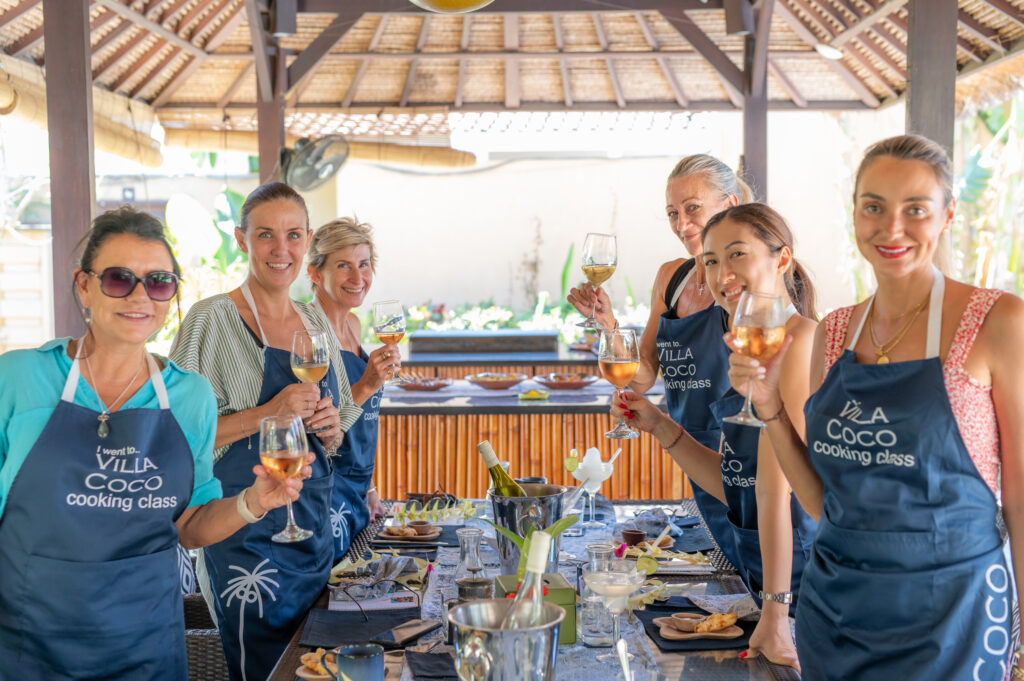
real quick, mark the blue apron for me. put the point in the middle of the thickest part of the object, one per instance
(354, 462)
(907, 578)
(89, 581)
(695, 367)
(739, 475)
(263, 588)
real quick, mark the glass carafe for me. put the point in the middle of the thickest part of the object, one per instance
(471, 579)
(595, 618)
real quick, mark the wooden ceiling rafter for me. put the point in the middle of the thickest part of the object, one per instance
(170, 12)
(730, 74)
(217, 37)
(111, 35)
(868, 21)
(258, 37)
(16, 11)
(158, 70)
(513, 85)
(858, 45)
(243, 75)
(460, 79)
(114, 58)
(786, 84)
(203, 23)
(1007, 11)
(978, 31)
(141, 21)
(139, 64)
(762, 35)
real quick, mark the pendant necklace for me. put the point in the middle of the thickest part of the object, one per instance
(882, 350)
(103, 429)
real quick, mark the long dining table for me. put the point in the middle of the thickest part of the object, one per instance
(576, 662)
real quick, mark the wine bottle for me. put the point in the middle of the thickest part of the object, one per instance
(527, 609)
(502, 482)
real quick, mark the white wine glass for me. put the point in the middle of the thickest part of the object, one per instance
(283, 451)
(615, 582)
(389, 326)
(598, 261)
(758, 329)
(310, 361)
(592, 472)
(618, 357)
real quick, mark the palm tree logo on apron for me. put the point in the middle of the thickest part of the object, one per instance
(247, 589)
(339, 526)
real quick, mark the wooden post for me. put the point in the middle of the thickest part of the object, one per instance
(69, 123)
(755, 104)
(932, 69)
(270, 123)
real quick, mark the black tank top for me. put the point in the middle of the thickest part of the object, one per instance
(674, 282)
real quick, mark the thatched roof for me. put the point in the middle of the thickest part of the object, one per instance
(396, 74)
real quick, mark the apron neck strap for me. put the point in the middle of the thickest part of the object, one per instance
(318, 306)
(679, 289)
(71, 384)
(934, 317)
(247, 294)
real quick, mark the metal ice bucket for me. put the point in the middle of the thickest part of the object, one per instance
(539, 509)
(484, 652)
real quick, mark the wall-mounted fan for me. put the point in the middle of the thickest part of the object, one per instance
(312, 162)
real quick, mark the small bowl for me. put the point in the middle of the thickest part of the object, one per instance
(494, 381)
(424, 383)
(633, 537)
(421, 527)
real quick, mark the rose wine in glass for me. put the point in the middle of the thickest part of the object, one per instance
(598, 261)
(758, 329)
(310, 360)
(618, 357)
(389, 327)
(283, 453)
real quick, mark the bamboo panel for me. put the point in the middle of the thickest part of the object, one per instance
(418, 453)
(459, 371)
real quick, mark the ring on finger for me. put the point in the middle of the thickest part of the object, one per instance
(386, 355)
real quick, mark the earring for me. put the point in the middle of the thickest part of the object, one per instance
(88, 316)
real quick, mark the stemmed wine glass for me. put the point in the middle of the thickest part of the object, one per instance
(592, 472)
(310, 360)
(283, 451)
(615, 583)
(389, 325)
(758, 329)
(599, 260)
(618, 356)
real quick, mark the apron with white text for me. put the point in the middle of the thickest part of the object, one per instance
(907, 578)
(89, 581)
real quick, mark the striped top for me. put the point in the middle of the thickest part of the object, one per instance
(215, 342)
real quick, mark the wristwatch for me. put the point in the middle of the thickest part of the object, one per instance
(785, 597)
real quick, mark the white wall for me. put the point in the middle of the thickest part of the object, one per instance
(466, 237)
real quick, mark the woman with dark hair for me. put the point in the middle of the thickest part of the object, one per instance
(912, 436)
(683, 336)
(105, 465)
(342, 261)
(241, 341)
(750, 248)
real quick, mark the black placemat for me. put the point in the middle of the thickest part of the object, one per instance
(447, 536)
(432, 666)
(693, 539)
(685, 521)
(648, 616)
(332, 628)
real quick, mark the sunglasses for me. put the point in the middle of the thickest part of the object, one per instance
(119, 282)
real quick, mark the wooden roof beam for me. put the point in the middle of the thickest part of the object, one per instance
(556, 23)
(1007, 10)
(309, 60)
(762, 37)
(979, 31)
(247, 108)
(156, 71)
(424, 33)
(243, 75)
(645, 28)
(805, 34)
(563, 67)
(673, 82)
(867, 45)
(962, 43)
(463, 46)
(616, 85)
(786, 84)
(208, 19)
(170, 12)
(193, 14)
(264, 76)
(518, 56)
(706, 47)
(529, 6)
(867, 21)
(16, 11)
(513, 93)
(33, 38)
(511, 22)
(140, 63)
(464, 38)
(121, 51)
(354, 85)
(602, 37)
(112, 34)
(151, 26)
(219, 35)
(409, 78)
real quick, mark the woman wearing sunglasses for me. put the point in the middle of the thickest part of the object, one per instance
(241, 341)
(105, 465)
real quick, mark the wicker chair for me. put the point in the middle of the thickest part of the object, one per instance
(197, 614)
(205, 655)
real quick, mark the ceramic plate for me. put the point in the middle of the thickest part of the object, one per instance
(492, 381)
(433, 534)
(565, 381)
(425, 384)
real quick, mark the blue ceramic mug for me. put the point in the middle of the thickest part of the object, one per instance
(358, 662)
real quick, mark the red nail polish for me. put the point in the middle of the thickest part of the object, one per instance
(622, 405)
(743, 654)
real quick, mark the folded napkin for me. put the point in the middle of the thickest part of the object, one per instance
(433, 666)
(741, 604)
(332, 628)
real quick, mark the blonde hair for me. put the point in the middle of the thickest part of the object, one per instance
(918, 148)
(338, 234)
(719, 176)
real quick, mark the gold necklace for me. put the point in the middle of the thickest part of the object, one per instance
(882, 350)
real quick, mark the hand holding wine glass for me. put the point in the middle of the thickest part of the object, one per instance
(618, 357)
(758, 331)
(310, 360)
(389, 326)
(283, 454)
(600, 256)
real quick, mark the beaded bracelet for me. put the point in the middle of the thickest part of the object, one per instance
(678, 438)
